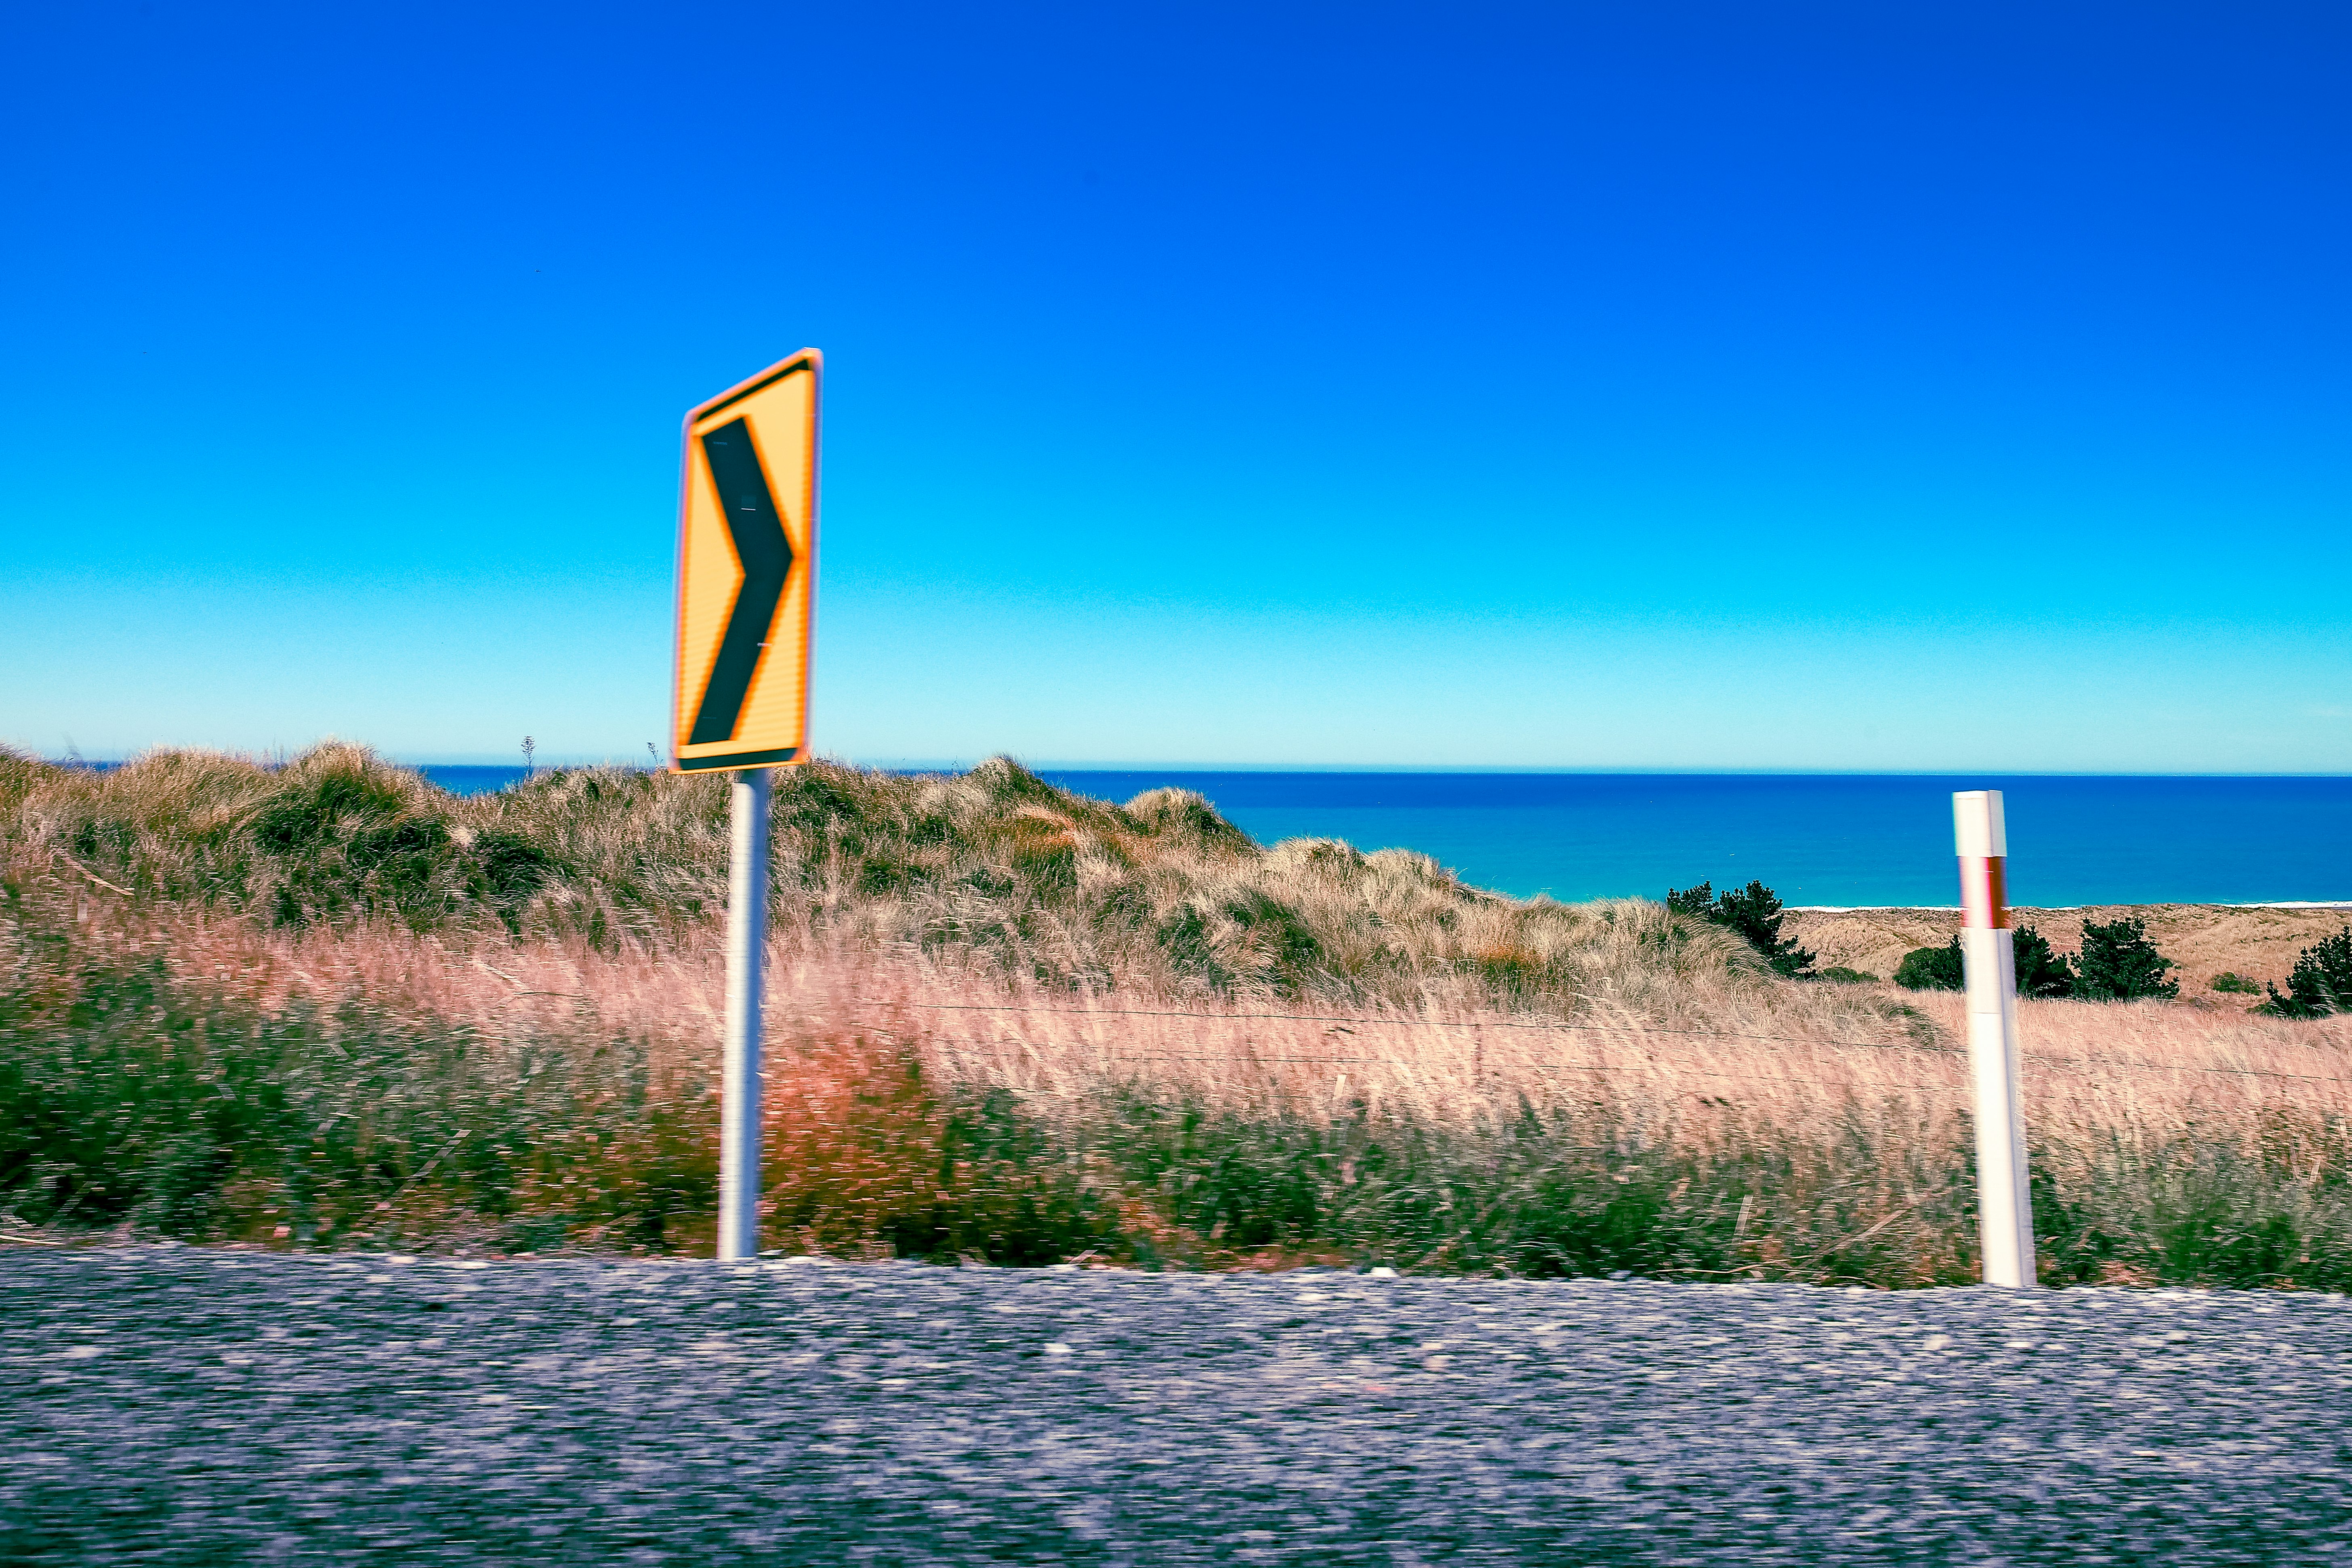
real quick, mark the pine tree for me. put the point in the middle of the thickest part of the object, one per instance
(1754, 911)
(1699, 901)
(2119, 963)
(2321, 983)
(2040, 970)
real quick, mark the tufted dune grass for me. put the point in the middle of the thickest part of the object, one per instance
(330, 1004)
(995, 874)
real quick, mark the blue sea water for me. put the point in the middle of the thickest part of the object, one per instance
(1834, 839)
(464, 778)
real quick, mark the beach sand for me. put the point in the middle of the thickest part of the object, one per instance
(2259, 942)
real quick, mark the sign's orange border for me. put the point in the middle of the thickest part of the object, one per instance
(813, 362)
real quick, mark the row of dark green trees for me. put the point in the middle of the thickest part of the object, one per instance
(2117, 961)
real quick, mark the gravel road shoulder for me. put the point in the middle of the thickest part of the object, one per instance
(175, 1406)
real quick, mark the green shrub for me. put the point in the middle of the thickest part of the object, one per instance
(2040, 970)
(2119, 963)
(1932, 969)
(1545, 1195)
(1570, 1195)
(1007, 1191)
(1844, 976)
(2199, 1208)
(2232, 982)
(126, 1098)
(2321, 983)
(1753, 911)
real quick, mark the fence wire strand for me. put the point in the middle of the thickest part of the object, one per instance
(968, 1048)
(1548, 1027)
(1388, 1023)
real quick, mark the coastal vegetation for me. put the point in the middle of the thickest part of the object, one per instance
(2042, 970)
(1754, 912)
(329, 1004)
(2117, 963)
(2260, 942)
(1933, 968)
(2321, 984)
(994, 874)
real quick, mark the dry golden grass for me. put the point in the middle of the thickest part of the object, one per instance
(1009, 1020)
(993, 875)
(2141, 1071)
(1874, 1103)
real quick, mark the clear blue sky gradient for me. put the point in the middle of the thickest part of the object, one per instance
(1663, 386)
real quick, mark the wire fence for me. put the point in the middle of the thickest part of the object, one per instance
(977, 1048)
(980, 1047)
(1544, 1026)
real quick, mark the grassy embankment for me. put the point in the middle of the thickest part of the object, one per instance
(330, 1005)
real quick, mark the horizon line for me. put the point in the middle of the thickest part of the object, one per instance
(960, 765)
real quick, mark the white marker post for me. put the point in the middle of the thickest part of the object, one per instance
(2004, 1201)
(747, 945)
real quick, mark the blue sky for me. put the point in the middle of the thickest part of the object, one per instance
(1660, 387)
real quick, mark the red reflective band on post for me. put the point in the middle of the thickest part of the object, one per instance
(1984, 899)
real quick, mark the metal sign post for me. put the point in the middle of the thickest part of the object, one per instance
(739, 1084)
(2004, 1200)
(746, 606)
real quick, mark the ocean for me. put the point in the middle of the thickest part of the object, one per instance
(1828, 839)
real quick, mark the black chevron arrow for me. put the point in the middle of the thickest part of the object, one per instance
(765, 555)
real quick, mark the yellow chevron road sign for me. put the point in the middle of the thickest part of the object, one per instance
(747, 573)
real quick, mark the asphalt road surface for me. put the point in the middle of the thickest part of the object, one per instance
(174, 1405)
